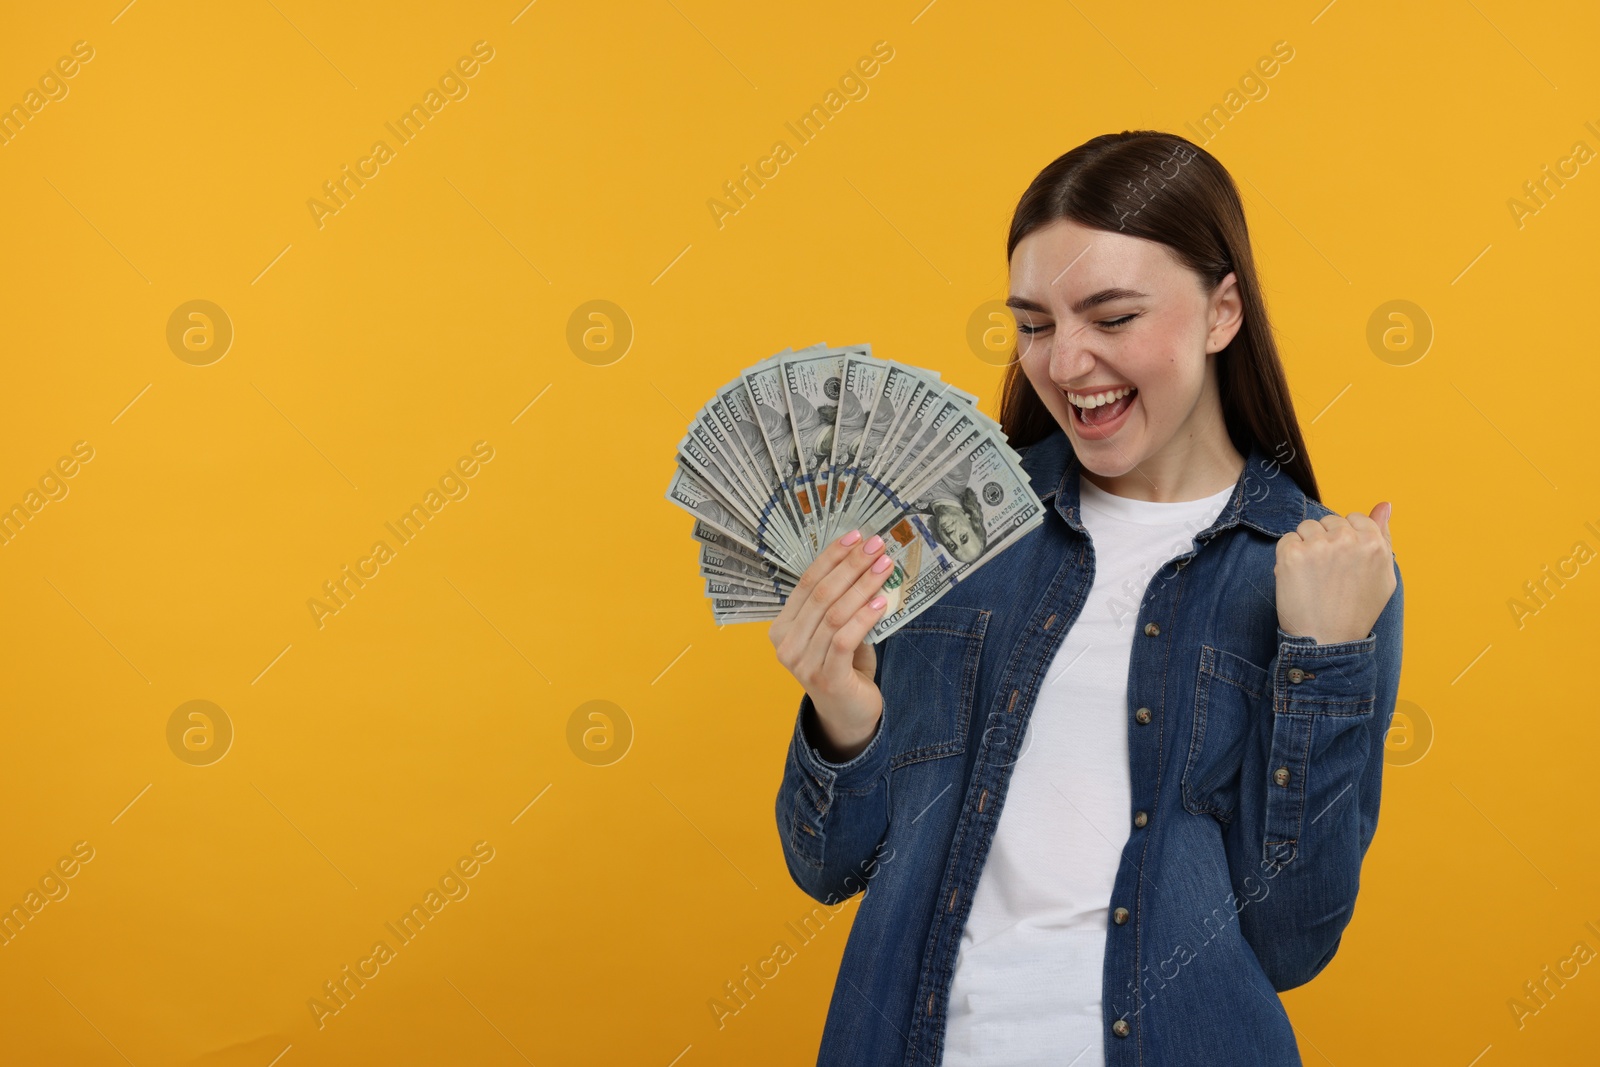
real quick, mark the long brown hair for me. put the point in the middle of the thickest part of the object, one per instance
(1165, 188)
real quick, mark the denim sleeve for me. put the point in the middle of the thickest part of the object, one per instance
(832, 816)
(1309, 791)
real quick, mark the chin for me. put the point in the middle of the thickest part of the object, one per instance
(1105, 470)
(1105, 458)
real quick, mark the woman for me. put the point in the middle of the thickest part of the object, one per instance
(1110, 794)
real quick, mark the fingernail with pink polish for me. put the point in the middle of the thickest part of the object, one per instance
(873, 544)
(885, 561)
(850, 538)
(877, 603)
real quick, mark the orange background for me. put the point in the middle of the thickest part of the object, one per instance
(435, 709)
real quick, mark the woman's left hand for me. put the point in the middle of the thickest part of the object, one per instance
(1335, 575)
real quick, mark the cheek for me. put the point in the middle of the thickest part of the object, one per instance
(1031, 354)
(1055, 401)
(1163, 366)
(1032, 365)
(1036, 365)
(1034, 368)
(1170, 389)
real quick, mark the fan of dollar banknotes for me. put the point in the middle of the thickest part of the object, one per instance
(808, 445)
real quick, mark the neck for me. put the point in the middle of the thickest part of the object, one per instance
(1184, 469)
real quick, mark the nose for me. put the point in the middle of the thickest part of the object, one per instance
(1071, 357)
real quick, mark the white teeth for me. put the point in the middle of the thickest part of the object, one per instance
(1094, 400)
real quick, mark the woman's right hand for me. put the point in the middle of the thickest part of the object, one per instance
(819, 636)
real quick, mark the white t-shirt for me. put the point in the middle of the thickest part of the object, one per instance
(1029, 970)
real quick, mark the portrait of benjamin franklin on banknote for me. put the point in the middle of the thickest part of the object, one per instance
(779, 434)
(851, 420)
(816, 427)
(750, 434)
(813, 432)
(872, 438)
(954, 513)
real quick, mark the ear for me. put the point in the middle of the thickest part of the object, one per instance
(1227, 305)
(969, 504)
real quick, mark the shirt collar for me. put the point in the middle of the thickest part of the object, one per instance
(1264, 498)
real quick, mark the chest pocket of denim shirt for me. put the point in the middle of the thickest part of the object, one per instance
(1228, 694)
(929, 679)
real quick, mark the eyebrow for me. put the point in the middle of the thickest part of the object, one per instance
(1093, 300)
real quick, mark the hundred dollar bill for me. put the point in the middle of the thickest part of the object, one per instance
(767, 396)
(713, 542)
(727, 609)
(692, 495)
(975, 511)
(715, 430)
(919, 430)
(806, 444)
(778, 521)
(738, 570)
(859, 389)
(722, 587)
(901, 384)
(811, 386)
(949, 435)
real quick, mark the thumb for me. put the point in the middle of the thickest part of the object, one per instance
(1383, 520)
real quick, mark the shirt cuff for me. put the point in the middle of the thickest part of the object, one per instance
(865, 766)
(1336, 678)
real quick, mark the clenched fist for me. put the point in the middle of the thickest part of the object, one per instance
(1335, 575)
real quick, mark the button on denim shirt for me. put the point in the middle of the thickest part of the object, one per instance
(1256, 760)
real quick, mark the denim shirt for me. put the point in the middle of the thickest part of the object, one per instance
(1256, 761)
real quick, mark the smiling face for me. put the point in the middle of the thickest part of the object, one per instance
(1100, 312)
(954, 529)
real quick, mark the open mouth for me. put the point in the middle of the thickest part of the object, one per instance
(1102, 409)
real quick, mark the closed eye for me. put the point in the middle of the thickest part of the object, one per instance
(1110, 324)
